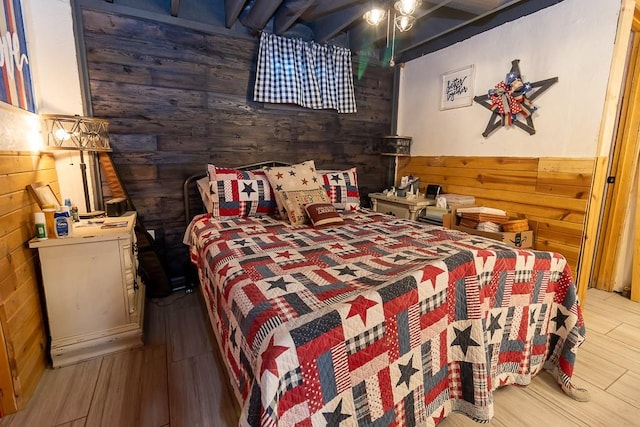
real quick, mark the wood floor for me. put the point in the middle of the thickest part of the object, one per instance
(174, 380)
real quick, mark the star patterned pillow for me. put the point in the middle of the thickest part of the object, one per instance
(238, 193)
(301, 176)
(342, 188)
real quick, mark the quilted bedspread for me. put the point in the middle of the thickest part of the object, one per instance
(381, 321)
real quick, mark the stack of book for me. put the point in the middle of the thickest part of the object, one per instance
(482, 218)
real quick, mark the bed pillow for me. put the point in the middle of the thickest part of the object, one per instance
(238, 193)
(301, 176)
(342, 188)
(323, 215)
(294, 202)
(205, 193)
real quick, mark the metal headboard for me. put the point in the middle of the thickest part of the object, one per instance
(190, 182)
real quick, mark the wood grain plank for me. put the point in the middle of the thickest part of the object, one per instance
(126, 391)
(626, 389)
(602, 410)
(197, 395)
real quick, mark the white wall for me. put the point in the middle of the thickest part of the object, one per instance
(572, 40)
(54, 69)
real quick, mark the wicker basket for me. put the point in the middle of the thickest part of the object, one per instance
(514, 225)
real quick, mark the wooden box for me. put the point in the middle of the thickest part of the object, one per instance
(519, 239)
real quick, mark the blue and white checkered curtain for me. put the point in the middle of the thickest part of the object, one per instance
(304, 73)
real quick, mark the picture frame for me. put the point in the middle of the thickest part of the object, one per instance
(44, 194)
(457, 88)
(17, 86)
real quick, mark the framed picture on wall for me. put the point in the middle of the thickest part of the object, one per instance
(457, 88)
(16, 88)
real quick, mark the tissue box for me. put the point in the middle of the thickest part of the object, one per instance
(116, 207)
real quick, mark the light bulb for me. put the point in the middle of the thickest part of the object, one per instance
(62, 135)
(404, 22)
(375, 16)
(406, 7)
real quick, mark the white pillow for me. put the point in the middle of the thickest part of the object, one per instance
(205, 193)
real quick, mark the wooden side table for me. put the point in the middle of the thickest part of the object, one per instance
(400, 207)
(94, 296)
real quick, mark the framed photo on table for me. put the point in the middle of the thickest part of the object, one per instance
(457, 88)
(44, 194)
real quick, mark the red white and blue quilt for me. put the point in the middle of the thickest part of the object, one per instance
(380, 322)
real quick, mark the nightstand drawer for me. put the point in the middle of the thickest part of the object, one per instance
(392, 209)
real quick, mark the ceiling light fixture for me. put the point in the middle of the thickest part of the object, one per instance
(407, 7)
(403, 19)
(375, 16)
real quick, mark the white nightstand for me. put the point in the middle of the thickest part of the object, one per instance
(399, 206)
(94, 296)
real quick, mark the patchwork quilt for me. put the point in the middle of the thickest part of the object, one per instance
(381, 321)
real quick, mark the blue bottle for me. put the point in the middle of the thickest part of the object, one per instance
(61, 219)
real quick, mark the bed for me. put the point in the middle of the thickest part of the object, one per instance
(378, 320)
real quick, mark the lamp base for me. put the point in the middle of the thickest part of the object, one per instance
(92, 214)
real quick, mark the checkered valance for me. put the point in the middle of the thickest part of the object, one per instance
(304, 73)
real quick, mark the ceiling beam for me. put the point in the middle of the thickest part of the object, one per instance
(507, 12)
(288, 13)
(175, 6)
(260, 13)
(326, 28)
(232, 9)
(323, 8)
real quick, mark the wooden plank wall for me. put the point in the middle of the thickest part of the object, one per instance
(178, 98)
(21, 310)
(551, 191)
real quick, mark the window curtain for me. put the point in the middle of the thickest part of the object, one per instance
(304, 73)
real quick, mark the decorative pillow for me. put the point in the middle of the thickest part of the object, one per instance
(294, 202)
(238, 193)
(301, 176)
(205, 193)
(323, 215)
(342, 188)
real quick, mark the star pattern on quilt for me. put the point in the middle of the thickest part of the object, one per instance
(494, 325)
(560, 320)
(336, 417)
(406, 371)
(241, 242)
(284, 254)
(279, 283)
(335, 178)
(532, 318)
(248, 188)
(463, 339)
(359, 307)
(484, 255)
(346, 271)
(440, 417)
(223, 271)
(269, 357)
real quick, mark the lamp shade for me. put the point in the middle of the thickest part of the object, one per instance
(404, 22)
(406, 7)
(76, 133)
(375, 15)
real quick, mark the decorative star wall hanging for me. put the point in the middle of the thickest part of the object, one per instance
(512, 99)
